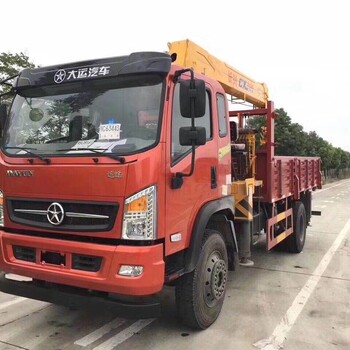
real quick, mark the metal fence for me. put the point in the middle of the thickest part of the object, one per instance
(335, 174)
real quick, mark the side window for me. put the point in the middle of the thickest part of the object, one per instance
(177, 151)
(220, 99)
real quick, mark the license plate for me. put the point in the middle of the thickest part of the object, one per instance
(53, 258)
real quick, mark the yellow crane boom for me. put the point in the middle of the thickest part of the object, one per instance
(235, 83)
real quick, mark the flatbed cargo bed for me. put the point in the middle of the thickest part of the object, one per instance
(287, 176)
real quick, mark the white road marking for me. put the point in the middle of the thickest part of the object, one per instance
(328, 188)
(275, 341)
(327, 201)
(99, 333)
(11, 302)
(124, 335)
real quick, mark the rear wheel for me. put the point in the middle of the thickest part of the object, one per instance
(200, 294)
(295, 242)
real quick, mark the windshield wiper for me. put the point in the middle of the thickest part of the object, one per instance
(30, 151)
(95, 150)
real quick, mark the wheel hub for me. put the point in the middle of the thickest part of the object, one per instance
(216, 278)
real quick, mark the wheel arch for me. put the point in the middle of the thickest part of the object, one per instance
(217, 215)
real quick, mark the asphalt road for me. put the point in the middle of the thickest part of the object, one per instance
(286, 301)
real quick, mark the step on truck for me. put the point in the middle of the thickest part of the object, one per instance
(122, 175)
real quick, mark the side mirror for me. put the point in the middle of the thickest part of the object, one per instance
(3, 115)
(234, 131)
(190, 136)
(192, 95)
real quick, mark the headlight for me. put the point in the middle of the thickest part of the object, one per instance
(140, 215)
(1, 209)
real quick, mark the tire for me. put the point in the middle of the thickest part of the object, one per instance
(295, 242)
(201, 293)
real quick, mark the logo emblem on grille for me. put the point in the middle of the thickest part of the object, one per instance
(55, 214)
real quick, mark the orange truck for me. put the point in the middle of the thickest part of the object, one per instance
(125, 174)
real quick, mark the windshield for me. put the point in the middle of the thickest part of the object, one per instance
(121, 118)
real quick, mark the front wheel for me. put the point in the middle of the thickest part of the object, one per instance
(200, 294)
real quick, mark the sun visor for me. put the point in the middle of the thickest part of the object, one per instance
(135, 63)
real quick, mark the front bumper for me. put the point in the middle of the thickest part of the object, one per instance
(106, 279)
(73, 297)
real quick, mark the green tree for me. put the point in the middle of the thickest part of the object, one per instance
(326, 153)
(10, 65)
(292, 140)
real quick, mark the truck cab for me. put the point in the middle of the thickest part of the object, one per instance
(107, 185)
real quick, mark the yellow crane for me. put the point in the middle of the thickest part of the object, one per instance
(235, 83)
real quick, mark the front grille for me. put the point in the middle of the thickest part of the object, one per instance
(78, 216)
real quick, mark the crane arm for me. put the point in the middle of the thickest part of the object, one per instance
(235, 83)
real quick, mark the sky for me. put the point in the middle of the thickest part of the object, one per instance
(299, 49)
